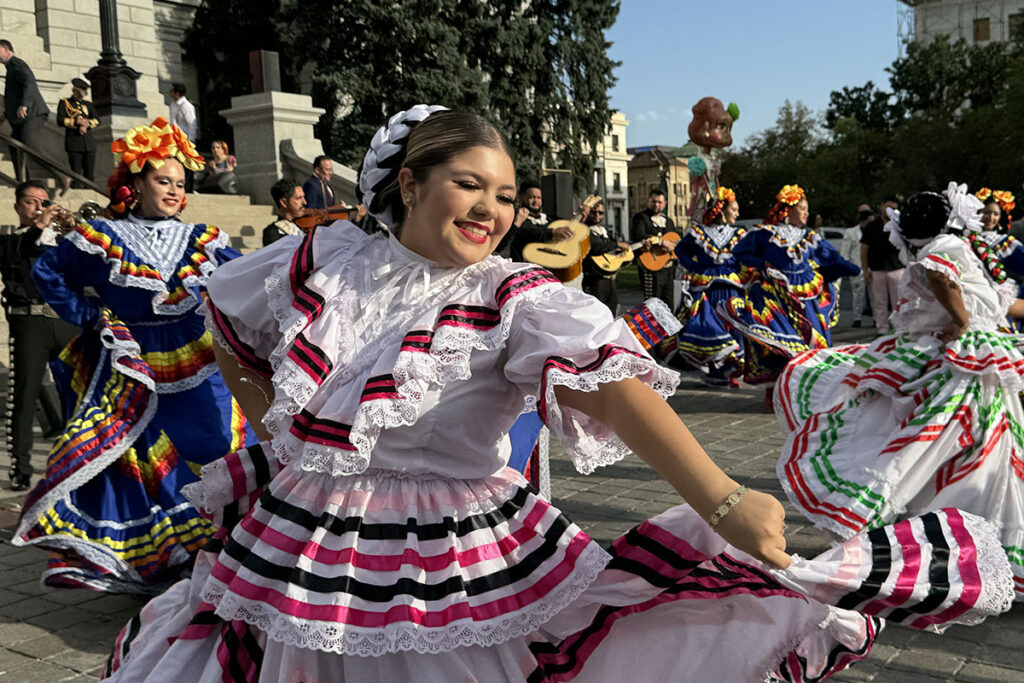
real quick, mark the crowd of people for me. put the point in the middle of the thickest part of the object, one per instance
(302, 453)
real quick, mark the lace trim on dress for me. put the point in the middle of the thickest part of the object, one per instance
(84, 474)
(589, 443)
(414, 372)
(346, 639)
(996, 597)
(796, 241)
(158, 285)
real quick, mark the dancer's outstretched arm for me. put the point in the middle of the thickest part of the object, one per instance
(648, 425)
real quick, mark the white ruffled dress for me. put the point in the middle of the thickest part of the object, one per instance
(380, 536)
(906, 423)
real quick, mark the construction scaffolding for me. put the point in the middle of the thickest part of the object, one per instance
(976, 21)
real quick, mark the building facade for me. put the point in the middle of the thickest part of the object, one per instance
(659, 166)
(60, 40)
(611, 175)
(976, 21)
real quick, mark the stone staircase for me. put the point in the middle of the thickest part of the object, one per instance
(234, 214)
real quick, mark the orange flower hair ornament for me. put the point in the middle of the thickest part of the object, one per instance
(1005, 198)
(725, 195)
(153, 144)
(789, 195)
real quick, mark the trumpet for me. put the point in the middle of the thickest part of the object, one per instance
(65, 221)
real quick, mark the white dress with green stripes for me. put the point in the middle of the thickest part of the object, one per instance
(907, 424)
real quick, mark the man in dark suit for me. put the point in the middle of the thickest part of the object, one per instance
(23, 105)
(652, 222)
(317, 189)
(78, 117)
(37, 334)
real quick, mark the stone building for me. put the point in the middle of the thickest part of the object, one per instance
(976, 21)
(611, 175)
(60, 40)
(664, 167)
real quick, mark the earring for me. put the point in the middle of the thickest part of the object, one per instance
(135, 202)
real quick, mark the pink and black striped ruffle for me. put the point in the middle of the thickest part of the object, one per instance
(405, 554)
(926, 572)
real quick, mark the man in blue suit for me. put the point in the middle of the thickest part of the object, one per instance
(317, 189)
(23, 105)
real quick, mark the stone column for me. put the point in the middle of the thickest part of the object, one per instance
(261, 122)
(114, 91)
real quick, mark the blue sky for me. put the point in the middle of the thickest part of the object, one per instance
(757, 53)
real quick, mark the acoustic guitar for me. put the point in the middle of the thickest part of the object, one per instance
(564, 258)
(612, 261)
(658, 256)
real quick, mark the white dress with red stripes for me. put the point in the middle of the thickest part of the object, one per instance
(907, 424)
(379, 536)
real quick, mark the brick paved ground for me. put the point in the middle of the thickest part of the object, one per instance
(48, 635)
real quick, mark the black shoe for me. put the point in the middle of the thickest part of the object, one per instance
(20, 482)
(855, 323)
(52, 434)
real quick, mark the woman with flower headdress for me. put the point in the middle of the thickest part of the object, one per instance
(711, 275)
(924, 417)
(1001, 253)
(148, 406)
(380, 536)
(791, 301)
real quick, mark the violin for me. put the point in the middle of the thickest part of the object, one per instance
(314, 217)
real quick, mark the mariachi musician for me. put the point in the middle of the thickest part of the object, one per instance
(597, 282)
(78, 117)
(649, 223)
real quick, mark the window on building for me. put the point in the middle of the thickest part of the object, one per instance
(631, 192)
(615, 143)
(617, 214)
(675, 187)
(616, 182)
(1016, 22)
(981, 30)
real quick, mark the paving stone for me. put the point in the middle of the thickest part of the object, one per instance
(24, 610)
(11, 661)
(1012, 657)
(82, 662)
(976, 672)
(931, 663)
(41, 672)
(40, 648)
(15, 632)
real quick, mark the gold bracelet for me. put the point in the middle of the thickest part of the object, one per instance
(728, 504)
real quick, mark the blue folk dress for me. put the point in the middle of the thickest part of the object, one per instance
(711, 277)
(791, 301)
(147, 405)
(1003, 257)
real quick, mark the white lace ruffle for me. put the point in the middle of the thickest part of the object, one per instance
(589, 443)
(663, 316)
(415, 372)
(159, 287)
(403, 637)
(996, 596)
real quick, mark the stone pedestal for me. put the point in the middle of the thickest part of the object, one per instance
(112, 128)
(261, 122)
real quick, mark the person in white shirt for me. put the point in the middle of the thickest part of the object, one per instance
(183, 112)
(850, 250)
(183, 115)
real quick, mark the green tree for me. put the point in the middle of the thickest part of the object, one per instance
(539, 69)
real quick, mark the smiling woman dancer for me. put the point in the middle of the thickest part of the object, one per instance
(379, 536)
(149, 407)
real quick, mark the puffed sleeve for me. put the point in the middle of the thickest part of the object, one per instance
(831, 264)
(570, 339)
(749, 251)
(238, 311)
(686, 252)
(61, 274)
(1011, 254)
